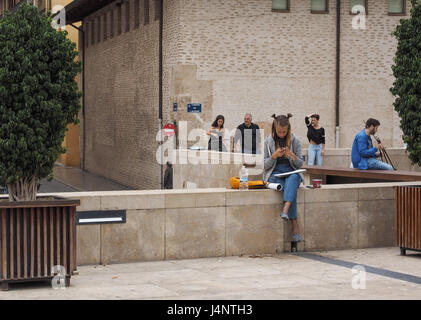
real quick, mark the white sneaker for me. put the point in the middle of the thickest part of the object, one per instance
(284, 216)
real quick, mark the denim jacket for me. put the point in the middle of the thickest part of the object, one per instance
(362, 148)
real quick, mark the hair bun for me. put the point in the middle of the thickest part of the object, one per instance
(273, 116)
(289, 115)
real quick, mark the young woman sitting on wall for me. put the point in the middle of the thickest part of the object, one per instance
(282, 153)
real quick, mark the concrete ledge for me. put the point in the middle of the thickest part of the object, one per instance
(197, 169)
(183, 224)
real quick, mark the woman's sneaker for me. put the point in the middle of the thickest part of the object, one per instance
(284, 216)
(296, 237)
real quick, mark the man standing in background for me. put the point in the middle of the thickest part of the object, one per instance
(249, 135)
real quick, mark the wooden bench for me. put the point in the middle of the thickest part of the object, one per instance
(358, 175)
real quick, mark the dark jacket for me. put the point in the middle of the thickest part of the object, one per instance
(255, 140)
(168, 179)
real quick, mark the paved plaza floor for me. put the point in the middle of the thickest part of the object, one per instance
(69, 179)
(317, 275)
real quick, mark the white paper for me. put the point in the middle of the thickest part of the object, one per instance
(274, 186)
(288, 173)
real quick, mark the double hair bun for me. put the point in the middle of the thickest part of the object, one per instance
(289, 115)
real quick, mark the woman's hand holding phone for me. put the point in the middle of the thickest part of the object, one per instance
(278, 153)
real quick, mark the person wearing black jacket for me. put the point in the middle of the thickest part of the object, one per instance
(316, 137)
(168, 176)
(249, 135)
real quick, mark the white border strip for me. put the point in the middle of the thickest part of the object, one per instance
(119, 219)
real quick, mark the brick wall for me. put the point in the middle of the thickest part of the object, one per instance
(233, 56)
(366, 74)
(267, 62)
(122, 91)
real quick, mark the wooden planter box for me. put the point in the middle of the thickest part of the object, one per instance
(408, 218)
(36, 236)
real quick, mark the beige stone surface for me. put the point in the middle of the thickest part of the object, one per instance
(384, 193)
(88, 244)
(133, 202)
(185, 200)
(359, 65)
(205, 175)
(301, 224)
(219, 222)
(327, 195)
(254, 229)
(195, 198)
(151, 228)
(331, 227)
(141, 238)
(121, 95)
(376, 223)
(88, 203)
(252, 197)
(231, 66)
(271, 277)
(210, 200)
(194, 232)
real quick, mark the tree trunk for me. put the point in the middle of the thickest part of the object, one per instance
(24, 189)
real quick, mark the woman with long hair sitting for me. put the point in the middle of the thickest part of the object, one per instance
(282, 153)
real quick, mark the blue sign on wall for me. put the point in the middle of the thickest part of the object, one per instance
(194, 107)
(175, 106)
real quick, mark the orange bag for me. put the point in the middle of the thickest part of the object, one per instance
(258, 184)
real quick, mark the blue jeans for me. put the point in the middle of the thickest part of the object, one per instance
(375, 164)
(290, 185)
(315, 155)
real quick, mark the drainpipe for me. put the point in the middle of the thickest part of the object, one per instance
(161, 28)
(338, 60)
(83, 95)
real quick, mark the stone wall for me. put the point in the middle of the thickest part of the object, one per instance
(238, 56)
(214, 169)
(366, 74)
(174, 224)
(122, 91)
(233, 56)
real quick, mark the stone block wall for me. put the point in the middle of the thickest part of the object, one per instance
(366, 73)
(233, 56)
(209, 173)
(175, 224)
(122, 90)
(238, 56)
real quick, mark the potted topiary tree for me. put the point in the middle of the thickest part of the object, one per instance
(39, 97)
(407, 90)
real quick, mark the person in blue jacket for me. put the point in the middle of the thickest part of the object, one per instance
(364, 155)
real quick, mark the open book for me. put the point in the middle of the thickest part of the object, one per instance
(279, 175)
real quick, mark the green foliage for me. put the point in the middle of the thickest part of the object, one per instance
(407, 87)
(39, 96)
